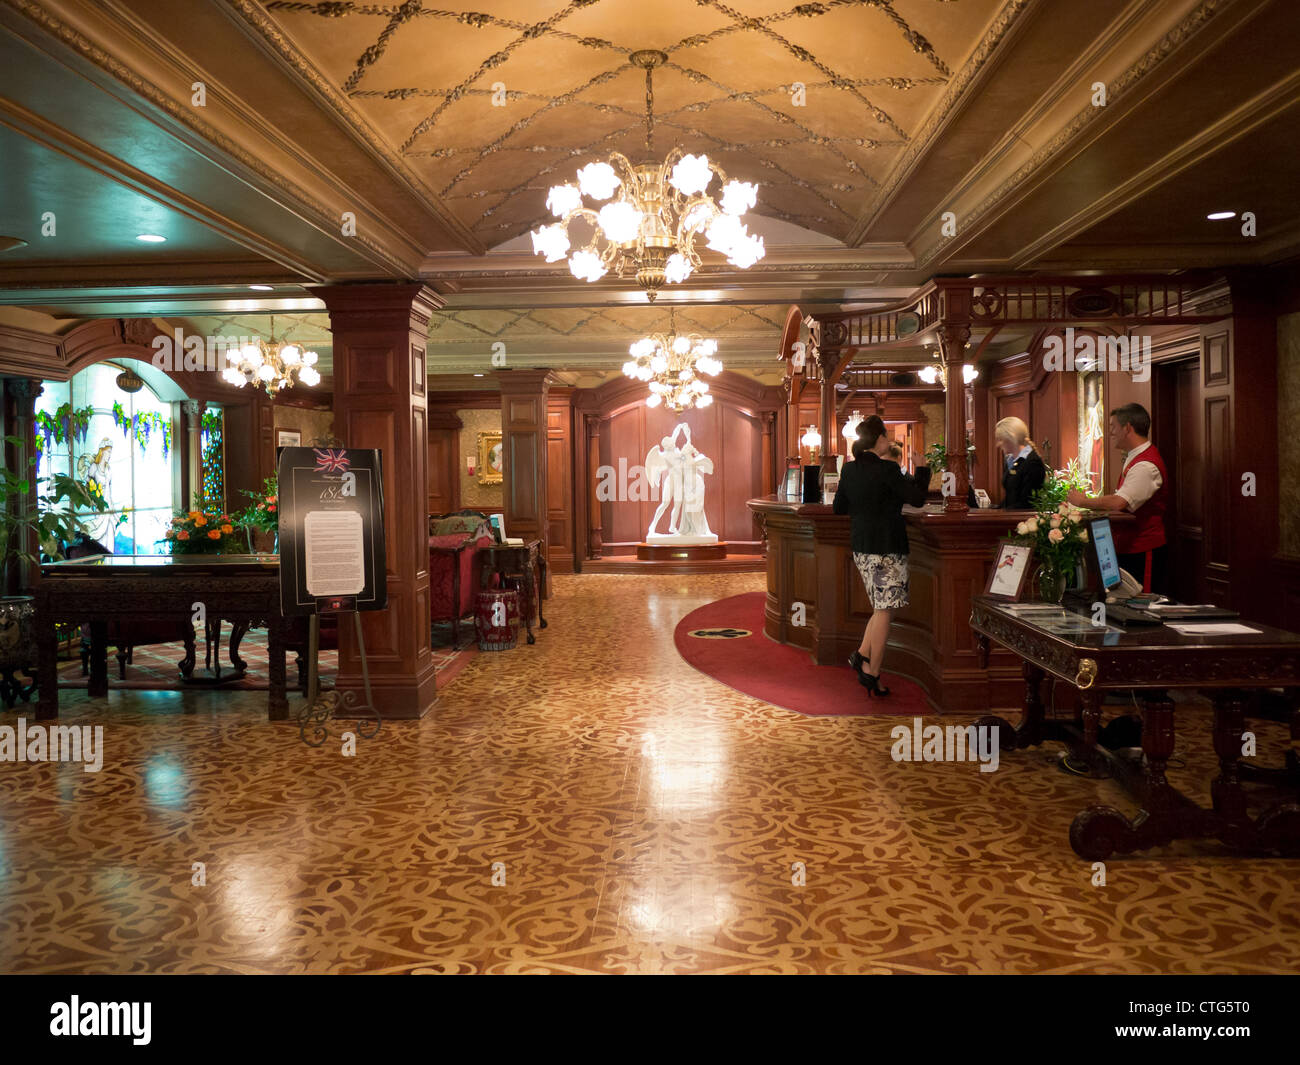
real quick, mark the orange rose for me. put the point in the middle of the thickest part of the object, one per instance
(183, 534)
(200, 521)
(271, 508)
(227, 529)
(271, 499)
(195, 515)
(214, 535)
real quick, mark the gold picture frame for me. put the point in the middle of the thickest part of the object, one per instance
(491, 459)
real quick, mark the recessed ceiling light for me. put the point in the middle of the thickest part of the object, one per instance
(1218, 216)
(260, 288)
(478, 375)
(150, 238)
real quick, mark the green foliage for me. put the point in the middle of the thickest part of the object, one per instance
(1058, 484)
(263, 508)
(55, 519)
(142, 424)
(67, 423)
(936, 457)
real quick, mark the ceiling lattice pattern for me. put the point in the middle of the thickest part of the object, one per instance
(489, 109)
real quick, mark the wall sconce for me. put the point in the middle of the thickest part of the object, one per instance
(931, 374)
(851, 426)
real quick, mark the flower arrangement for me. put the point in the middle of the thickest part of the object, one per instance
(1058, 484)
(1058, 537)
(199, 533)
(263, 510)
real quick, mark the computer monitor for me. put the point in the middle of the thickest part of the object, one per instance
(1107, 559)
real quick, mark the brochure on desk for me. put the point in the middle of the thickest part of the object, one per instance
(331, 530)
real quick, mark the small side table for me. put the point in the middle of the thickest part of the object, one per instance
(523, 561)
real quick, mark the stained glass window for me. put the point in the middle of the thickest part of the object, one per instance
(213, 458)
(120, 444)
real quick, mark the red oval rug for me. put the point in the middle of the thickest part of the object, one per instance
(725, 640)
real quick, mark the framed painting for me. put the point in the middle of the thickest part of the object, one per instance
(1010, 572)
(491, 463)
(288, 438)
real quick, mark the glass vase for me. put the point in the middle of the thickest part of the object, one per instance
(1051, 583)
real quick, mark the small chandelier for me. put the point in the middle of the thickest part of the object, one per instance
(273, 364)
(675, 367)
(932, 374)
(649, 227)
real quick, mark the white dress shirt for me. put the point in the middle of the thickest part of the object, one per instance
(1024, 453)
(1141, 479)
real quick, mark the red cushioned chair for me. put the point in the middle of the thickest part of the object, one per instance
(455, 544)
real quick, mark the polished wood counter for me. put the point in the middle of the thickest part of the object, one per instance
(809, 562)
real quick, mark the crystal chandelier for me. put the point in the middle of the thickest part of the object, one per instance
(675, 367)
(273, 364)
(657, 211)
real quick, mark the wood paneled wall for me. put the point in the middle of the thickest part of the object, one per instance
(560, 512)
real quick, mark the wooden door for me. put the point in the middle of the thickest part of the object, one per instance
(1179, 431)
(444, 470)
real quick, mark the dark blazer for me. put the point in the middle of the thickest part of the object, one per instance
(872, 491)
(1021, 481)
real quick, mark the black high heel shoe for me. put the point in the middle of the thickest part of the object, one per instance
(856, 662)
(871, 681)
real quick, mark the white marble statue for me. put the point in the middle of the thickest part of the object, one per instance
(679, 471)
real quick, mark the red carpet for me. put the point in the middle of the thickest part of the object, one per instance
(779, 674)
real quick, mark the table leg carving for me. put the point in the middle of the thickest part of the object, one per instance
(530, 590)
(97, 687)
(1090, 712)
(1157, 746)
(191, 652)
(47, 666)
(1229, 722)
(238, 629)
(1030, 732)
(277, 697)
(541, 621)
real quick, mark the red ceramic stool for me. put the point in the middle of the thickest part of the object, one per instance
(496, 616)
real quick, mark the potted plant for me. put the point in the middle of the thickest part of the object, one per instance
(1058, 484)
(1058, 537)
(202, 533)
(51, 522)
(260, 520)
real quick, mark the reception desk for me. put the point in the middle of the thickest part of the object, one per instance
(809, 562)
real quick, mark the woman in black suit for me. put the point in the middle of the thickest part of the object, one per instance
(872, 491)
(1023, 471)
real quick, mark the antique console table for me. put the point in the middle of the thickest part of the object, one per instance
(521, 561)
(1152, 661)
(243, 589)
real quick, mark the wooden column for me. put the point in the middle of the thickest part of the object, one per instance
(380, 334)
(20, 398)
(524, 445)
(829, 419)
(952, 346)
(593, 504)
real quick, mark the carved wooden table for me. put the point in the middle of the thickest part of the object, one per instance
(243, 589)
(522, 561)
(1154, 660)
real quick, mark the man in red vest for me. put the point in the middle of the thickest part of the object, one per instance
(1143, 490)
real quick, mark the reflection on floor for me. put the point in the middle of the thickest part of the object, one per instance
(591, 803)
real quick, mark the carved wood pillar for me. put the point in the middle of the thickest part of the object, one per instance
(769, 425)
(20, 398)
(830, 363)
(523, 439)
(593, 503)
(952, 347)
(380, 401)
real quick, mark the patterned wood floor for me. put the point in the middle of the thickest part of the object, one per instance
(645, 818)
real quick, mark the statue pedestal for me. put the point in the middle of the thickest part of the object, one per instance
(680, 539)
(679, 548)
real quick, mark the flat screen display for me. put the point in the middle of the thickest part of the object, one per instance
(1107, 559)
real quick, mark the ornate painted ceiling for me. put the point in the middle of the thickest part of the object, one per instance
(817, 101)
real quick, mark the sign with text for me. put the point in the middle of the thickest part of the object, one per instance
(331, 530)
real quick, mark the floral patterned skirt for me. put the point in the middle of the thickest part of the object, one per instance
(885, 577)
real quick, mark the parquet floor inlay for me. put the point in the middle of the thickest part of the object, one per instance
(606, 809)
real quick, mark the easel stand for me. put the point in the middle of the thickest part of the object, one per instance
(321, 709)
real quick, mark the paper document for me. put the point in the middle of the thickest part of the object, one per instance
(1210, 628)
(334, 563)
